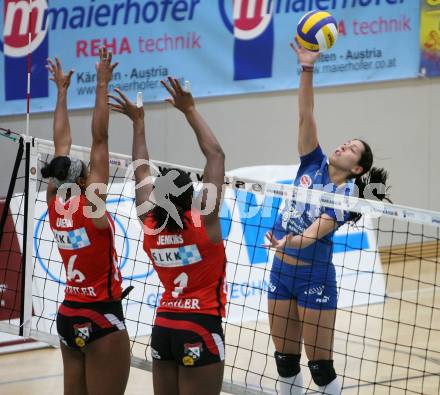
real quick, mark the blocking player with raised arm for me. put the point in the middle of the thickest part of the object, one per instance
(187, 251)
(302, 291)
(90, 323)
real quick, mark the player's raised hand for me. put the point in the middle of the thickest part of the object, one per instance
(123, 105)
(58, 76)
(104, 68)
(305, 57)
(272, 242)
(180, 98)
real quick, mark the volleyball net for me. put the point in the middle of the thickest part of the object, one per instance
(387, 334)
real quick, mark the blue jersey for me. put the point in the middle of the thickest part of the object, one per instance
(297, 217)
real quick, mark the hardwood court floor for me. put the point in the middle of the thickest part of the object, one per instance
(391, 348)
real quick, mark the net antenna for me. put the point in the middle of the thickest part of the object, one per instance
(29, 68)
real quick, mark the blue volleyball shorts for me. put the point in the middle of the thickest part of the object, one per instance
(313, 286)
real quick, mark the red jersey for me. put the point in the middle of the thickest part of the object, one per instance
(88, 254)
(192, 269)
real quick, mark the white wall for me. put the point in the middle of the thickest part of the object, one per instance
(399, 120)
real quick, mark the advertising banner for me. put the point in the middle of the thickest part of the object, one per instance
(223, 47)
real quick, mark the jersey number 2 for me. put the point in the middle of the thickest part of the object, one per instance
(181, 282)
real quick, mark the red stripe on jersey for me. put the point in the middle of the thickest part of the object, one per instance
(99, 319)
(191, 327)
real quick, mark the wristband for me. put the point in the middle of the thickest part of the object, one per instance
(307, 69)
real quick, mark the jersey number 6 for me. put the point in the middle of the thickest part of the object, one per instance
(74, 274)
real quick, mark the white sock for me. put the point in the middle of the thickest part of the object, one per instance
(333, 388)
(291, 385)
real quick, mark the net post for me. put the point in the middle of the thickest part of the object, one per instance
(11, 187)
(28, 227)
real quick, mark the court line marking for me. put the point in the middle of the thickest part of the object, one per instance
(36, 378)
(394, 380)
(387, 348)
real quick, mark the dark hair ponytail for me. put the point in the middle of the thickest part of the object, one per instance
(371, 183)
(183, 202)
(58, 168)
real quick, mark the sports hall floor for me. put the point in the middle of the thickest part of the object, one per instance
(365, 345)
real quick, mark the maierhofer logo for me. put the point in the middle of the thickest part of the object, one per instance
(251, 23)
(251, 17)
(22, 17)
(17, 23)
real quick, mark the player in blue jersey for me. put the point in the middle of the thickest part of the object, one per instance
(302, 290)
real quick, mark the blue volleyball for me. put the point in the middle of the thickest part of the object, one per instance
(317, 31)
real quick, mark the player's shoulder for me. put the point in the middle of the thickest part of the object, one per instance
(316, 156)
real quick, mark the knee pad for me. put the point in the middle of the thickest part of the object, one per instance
(287, 364)
(322, 372)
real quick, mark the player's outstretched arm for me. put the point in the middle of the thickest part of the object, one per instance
(99, 155)
(140, 155)
(214, 172)
(307, 134)
(320, 228)
(61, 127)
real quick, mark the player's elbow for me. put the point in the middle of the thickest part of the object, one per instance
(305, 118)
(217, 154)
(221, 153)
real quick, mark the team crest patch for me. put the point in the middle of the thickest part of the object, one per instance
(192, 353)
(305, 181)
(188, 361)
(82, 333)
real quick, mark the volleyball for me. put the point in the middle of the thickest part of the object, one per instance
(317, 31)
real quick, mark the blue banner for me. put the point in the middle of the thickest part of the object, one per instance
(223, 47)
